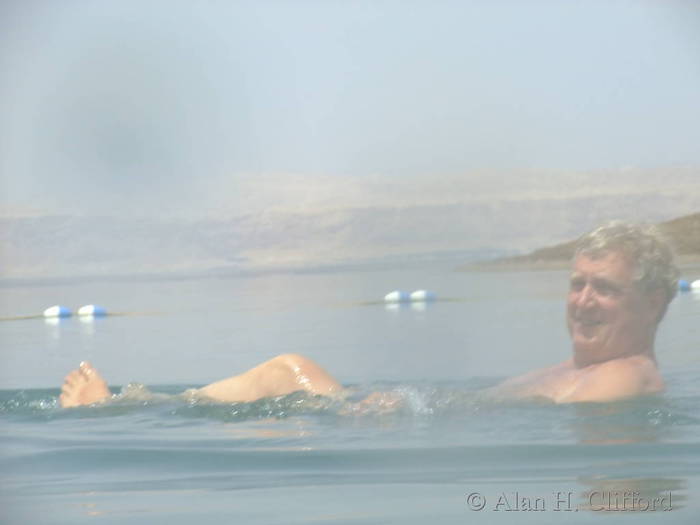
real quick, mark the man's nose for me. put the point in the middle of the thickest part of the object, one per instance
(585, 297)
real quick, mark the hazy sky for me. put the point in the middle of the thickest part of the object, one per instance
(165, 105)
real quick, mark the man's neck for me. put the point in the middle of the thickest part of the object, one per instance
(580, 361)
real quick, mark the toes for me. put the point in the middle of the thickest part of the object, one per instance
(86, 369)
(72, 378)
(72, 382)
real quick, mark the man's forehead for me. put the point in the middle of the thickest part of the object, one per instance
(612, 265)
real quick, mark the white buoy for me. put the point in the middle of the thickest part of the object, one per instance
(92, 310)
(57, 311)
(397, 296)
(695, 286)
(422, 296)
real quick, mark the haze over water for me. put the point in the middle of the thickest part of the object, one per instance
(453, 127)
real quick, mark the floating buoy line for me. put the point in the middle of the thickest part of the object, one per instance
(86, 312)
(418, 297)
(394, 297)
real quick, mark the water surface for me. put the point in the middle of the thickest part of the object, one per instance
(301, 459)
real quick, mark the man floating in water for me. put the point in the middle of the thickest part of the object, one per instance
(622, 281)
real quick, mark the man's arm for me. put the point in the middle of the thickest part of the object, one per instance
(527, 385)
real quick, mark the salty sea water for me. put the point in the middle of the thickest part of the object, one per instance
(442, 456)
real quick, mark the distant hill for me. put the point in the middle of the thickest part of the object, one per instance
(314, 238)
(683, 234)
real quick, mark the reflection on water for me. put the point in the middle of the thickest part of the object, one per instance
(87, 325)
(635, 421)
(419, 307)
(267, 429)
(416, 306)
(646, 420)
(394, 307)
(53, 321)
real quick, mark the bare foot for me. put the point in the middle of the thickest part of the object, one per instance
(83, 386)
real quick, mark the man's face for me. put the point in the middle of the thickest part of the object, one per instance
(607, 315)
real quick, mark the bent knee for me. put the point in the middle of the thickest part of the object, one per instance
(305, 374)
(293, 361)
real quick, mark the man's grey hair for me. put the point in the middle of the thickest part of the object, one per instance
(645, 248)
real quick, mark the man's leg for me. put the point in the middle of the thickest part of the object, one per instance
(279, 376)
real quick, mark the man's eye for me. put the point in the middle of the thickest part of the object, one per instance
(605, 289)
(577, 285)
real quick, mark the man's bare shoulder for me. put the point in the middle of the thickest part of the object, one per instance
(616, 379)
(534, 384)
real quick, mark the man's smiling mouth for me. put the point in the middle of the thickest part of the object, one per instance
(586, 323)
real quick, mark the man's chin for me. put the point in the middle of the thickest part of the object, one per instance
(584, 342)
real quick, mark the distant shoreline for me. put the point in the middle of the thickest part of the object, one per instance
(685, 262)
(683, 234)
